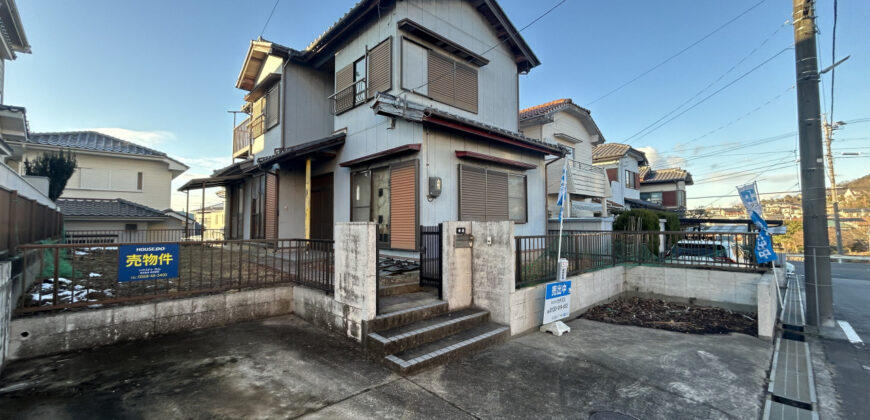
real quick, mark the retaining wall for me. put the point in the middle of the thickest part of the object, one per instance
(5, 308)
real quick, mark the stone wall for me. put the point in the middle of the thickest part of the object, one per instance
(356, 291)
(729, 289)
(493, 268)
(455, 267)
(58, 332)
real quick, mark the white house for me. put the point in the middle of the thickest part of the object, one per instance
(622, 164)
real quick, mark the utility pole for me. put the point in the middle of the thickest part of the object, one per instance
(817, 249)
(829, 137)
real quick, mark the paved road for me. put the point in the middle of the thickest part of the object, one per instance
(851, 282)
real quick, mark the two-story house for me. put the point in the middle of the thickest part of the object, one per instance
(622, 164)
(665, 187)
(117, 185)
(401, 113)
(564, 122)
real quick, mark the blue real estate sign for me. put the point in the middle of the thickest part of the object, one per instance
(147, 262)
(557, 303)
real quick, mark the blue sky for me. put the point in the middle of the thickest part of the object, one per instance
(162, 73)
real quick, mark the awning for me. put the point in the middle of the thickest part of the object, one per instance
(323, 147)
(643, 204)
(464, 154)
(384, 154)
(211, 182)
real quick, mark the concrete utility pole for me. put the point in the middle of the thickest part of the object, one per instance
(829, 137)
(817, 249)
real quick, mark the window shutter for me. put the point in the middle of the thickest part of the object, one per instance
(466, 88)
(496, 195)
(380, 68)
(637, 181)
(441, 78)
(403, 207)
(472, 193)
(273, 102)
(669, 198)
(271, 206)
(344, 77)
(611, 175)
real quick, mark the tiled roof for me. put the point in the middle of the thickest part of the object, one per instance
(92, 140)
(609, 151)
(653, 176)
(552, 106)
(112, 207)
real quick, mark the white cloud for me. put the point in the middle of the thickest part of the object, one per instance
(657, 160)
(142, 137)
(206, 163)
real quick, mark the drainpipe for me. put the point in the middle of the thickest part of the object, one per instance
(308, 198)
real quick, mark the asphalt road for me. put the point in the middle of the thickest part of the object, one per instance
(851, 283)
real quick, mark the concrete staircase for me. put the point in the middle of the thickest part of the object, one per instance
(415, 338)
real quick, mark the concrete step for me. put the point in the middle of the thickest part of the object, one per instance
(429, 308)
(448, 348)
(399, 289)
(775, 410)
(389, 304)
(424, 331)
(791, 376)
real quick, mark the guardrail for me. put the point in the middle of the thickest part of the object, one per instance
(536, 259)
(66, 276)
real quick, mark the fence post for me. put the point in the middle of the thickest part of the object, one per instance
(13, 227)
(57, 275)
(577, 253)
(517, 261)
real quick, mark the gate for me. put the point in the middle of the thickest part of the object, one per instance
(430, 257)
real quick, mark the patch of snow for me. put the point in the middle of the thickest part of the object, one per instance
(95, 275)
(81, 253)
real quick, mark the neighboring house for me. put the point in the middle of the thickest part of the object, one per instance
(565, 123)
(665, 187)
(26, 213)
(95, 220)
(211, 217)
(622, 164)
(390, 116)
(107, 167)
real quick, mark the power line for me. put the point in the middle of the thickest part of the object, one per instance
(696, 104)
(709, 85)
(665, 61)
(269, 18)
(738, 146)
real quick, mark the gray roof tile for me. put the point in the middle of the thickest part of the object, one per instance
(113, 207)
(92, 140)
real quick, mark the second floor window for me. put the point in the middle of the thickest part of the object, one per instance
(631, 180)
(652, 197)
(359, 81)
(439, 77)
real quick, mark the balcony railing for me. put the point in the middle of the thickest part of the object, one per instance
(348, 97)
(258, 126)
(583, 179)
(242, 136)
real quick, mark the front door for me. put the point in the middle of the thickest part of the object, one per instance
(321, 207)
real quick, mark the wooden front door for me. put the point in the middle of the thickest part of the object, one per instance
(321, 207)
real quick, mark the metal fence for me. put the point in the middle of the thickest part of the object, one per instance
(139, 236)
(64, 276)
(24, 221)
(536, 256)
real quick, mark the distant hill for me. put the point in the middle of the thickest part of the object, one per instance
(860, 183)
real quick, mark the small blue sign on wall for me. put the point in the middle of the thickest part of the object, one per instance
(147, 262)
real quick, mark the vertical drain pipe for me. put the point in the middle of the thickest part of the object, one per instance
(308, 198)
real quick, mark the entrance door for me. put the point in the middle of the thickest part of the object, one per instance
(321, 207)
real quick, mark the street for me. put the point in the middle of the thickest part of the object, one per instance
(851, 362)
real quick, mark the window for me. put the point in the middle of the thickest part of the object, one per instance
(452, 82)
(131, 227)
(359, 82)
(631, 179)
(139, 181)
(681, 198)
(388, 196)
(652, 197)
(486, 194)
(273, 106)
(415, 67)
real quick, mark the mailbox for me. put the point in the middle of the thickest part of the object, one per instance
(463, 240)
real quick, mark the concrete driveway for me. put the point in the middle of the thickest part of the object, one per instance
(285, 368)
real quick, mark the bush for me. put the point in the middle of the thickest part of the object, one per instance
(649, 220)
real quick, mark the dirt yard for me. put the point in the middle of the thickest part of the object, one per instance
(679, 317)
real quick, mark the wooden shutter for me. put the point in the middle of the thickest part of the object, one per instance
(472, 193)
(403, 206)
(636, 181)
(271, 206)
(612, 175)
(441, 77)
(669, 198)
(496, 195)
(380, 68)
(344, 77)
(466, 88)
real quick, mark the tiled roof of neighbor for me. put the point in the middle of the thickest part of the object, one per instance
(609, 151)
(546, 108)
(652, 176)
(101, 207)
(92, 140)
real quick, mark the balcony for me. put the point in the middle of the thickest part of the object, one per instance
(583, 179)
(242, 139)
(347, 98)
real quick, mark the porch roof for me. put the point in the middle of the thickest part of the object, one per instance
(211, 182)
(325, 145)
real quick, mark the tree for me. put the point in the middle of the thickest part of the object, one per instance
(56, 166)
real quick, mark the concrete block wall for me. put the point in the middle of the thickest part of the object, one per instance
(768, 304)
(493, 269)
(356, 256)
(587, 290)
(455, 267)
(5, 308)
(53, 333)
(730, 289)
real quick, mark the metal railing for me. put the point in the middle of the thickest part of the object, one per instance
(140, 236)
(67, 276)
(242, 136)
(24, 221)
(348, 97)
(536, 259)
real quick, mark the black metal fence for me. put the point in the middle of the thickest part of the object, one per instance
(536, 256)
(140, 236)
(64, 276)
